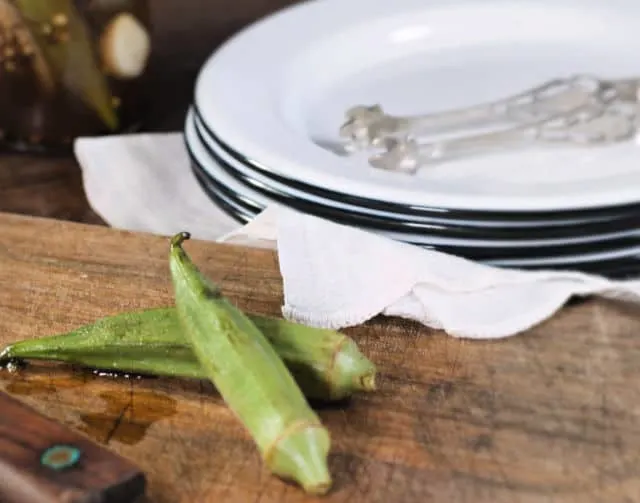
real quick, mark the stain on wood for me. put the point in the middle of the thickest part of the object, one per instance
(551, 415)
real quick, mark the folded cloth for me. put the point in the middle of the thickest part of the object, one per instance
(142, 182)
(334, 275)
(356, 275)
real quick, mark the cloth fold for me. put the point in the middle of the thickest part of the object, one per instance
(143, 182)
(333, 275)
(337, 276)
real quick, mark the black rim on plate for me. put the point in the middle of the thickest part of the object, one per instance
(427, 211)
(626, 268)
(221, 193)
(374, 223)
(240, 217)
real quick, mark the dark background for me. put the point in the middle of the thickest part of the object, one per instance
(185, 32)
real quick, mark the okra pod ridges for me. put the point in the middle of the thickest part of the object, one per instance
(327, 365)
(251, 377)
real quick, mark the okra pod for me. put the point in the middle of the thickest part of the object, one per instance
(327, 365)
(250, 376)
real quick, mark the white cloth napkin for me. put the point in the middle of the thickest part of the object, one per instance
(334, 275)
(143, 183)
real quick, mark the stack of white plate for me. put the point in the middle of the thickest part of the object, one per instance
(268, 105)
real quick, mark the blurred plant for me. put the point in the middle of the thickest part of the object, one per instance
(62, 38)
(20, 51)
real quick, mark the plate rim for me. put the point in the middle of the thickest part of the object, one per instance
(200, 172)
(455, 249)
(605, 215)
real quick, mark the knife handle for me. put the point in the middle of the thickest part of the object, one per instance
(43, 461)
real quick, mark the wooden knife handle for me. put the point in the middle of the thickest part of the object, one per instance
(42, 461)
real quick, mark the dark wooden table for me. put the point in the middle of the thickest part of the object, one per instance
(550, 416)
(185, 33)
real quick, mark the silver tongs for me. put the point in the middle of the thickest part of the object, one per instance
(579, 110)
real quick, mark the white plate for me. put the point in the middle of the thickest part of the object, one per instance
(278, 90)
(261, 201)
(540, 263)
(271, 184)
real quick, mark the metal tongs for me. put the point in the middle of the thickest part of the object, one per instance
(579, 110)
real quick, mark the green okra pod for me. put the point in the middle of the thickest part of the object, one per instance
(251, 377)
(327, 365)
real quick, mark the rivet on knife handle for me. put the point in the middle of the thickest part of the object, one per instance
(43, 461)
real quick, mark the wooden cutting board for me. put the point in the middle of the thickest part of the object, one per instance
(552, 415)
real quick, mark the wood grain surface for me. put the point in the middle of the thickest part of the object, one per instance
(552, 415)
